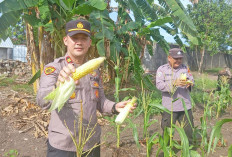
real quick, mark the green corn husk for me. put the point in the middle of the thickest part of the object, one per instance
(61, 94)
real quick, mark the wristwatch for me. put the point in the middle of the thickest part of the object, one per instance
(114, 111)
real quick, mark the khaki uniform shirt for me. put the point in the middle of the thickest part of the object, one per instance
(89, 91)
(165, 77)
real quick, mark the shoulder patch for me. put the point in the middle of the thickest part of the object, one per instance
(159, 74)
(68, 59)
(49, 70)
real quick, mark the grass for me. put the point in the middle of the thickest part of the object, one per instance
(203, 86)
(4, 81)
(214, 70)
(205, 83)
(11, 82)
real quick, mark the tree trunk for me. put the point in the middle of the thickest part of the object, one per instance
(40, 55)
(202, 59)
(33, 55)
(212, 62)
(197, 58)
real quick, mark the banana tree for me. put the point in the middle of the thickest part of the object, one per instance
(45, 20)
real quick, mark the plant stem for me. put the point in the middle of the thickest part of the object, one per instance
(118, 135)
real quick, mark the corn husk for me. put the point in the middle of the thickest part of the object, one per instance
(62, 93)
(123, 114)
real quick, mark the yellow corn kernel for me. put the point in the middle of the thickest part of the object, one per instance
(87, 68)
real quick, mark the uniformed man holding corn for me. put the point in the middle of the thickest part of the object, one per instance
(174, 80)
(88, 92)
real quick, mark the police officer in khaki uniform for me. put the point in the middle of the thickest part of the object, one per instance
(167, 79)
(89, 92)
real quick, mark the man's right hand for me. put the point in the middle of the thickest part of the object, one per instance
(65, 73)
(179, 82)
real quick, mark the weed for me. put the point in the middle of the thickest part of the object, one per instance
(23, 87)
(11, 153)
(7, 81)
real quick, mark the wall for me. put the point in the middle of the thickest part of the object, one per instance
(191, 58)
(3, 53)
(6, 53)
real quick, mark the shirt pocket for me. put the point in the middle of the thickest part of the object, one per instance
(75, 102)
(94, 90)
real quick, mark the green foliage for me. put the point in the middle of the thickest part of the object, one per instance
(213, 71)
(23, 87)
(221, 99)
(213, 20)
(205, 83)
(230, 151)
(5, 81)
(11, 153)
(17, 33)
(35, 77)
(216, 133)
(10, 82)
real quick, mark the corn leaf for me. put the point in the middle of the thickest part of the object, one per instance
(194, 153)
(35, 77)
(230, 151)
(135, 132)
(161, 107)
(184, 141)
(216, 133)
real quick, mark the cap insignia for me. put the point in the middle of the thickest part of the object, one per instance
(49, 70)
(80, 25)
(179, 53)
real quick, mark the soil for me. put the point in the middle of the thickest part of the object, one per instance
(23, 128)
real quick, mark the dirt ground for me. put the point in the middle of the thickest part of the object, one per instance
(23, 128)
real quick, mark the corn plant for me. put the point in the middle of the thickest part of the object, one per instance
(230, 151)
(216, 134)
(84, 135)
(222, 98)
(156, 137)
(117, 90)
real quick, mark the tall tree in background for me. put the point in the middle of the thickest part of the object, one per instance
(45, 21)
(213, 20)
(17, 34)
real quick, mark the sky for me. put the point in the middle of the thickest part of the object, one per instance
(167, 37)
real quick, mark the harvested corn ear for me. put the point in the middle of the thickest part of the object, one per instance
(65, 90)
(125, 111)
(183, 76)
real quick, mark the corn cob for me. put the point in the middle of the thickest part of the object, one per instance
(62, 93)
(123, 114)
(189, 82)
(87, 68)
(183, 76)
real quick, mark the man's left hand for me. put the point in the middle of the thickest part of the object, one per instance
(119, 106)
